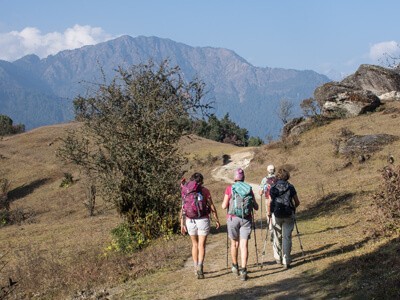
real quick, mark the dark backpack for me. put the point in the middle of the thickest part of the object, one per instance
(281, 205)
(193, 204)
(241, 203)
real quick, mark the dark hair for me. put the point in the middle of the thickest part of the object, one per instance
(197, 177)
(283, 174)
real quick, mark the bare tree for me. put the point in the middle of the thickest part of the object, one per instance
(284, 111)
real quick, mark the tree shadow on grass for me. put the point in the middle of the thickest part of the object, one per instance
(26, 189)
(370, 276)
(327, 204)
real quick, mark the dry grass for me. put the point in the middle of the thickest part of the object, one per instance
(58, 249)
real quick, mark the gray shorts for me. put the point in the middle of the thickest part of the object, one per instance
(238, 228)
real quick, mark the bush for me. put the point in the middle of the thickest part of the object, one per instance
(387, 198)
(255, 142)
(67, 180)
(125, 239)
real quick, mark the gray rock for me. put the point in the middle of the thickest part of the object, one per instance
(342, 100)
(378, 80)
(362, 145)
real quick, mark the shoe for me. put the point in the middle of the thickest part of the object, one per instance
(286, 266)
(279, 262)
(243, 274)
(200, 274)
(235, 269)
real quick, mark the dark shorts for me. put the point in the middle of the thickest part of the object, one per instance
(238, 228)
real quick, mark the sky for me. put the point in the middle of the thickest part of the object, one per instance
(331, 37)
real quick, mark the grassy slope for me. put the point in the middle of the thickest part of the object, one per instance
(335, 216)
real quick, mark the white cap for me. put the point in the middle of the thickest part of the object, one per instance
(271, 169)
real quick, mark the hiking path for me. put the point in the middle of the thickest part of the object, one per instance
(267, 280)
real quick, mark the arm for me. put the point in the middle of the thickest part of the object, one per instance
(296, 200)
(214, 212)
(183, 220)
(255, 205)
(225, 202)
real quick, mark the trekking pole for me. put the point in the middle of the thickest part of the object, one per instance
(298, 235)
(227, 238)
(255, 239)
(261, 214)
(265, 243)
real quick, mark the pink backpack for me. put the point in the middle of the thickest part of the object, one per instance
(193, 204)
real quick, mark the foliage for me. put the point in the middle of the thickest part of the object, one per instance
(387, 198)
(255, 141)
(224, 130)
(67, 180)
(7, 127)
(128, 142)
(125, 239)
(4, 202)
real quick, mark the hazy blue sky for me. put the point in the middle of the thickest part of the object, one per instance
(321, 35)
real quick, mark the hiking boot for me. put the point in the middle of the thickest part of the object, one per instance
(243, 274)
(235, 269)
(200, 274)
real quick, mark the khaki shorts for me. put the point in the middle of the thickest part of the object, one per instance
(239, 228)
(198, 226)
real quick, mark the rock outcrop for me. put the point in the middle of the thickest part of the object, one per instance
(360, 92)
(357, 94)
(378, 80)
(342, 100)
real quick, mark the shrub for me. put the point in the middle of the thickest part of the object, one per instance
(387, 198)
(67, 180)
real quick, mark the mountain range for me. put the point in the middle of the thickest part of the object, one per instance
(38, 92)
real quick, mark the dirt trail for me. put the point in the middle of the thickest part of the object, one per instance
(270, 281)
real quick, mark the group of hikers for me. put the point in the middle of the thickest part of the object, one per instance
(240, 202)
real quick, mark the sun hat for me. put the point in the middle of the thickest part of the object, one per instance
(239, 174)
(271, 169)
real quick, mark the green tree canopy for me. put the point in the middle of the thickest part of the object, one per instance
(7, 127)
(128, 142)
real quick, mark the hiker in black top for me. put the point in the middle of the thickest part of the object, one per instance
(199, 227)
(282, 209)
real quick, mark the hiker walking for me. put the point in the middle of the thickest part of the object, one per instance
(239, 201)
(265, 187)
(195, 217)
(282, 210)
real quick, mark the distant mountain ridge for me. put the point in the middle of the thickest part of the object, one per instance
(38, 92)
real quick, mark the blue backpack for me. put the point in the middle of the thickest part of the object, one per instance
(242, 201)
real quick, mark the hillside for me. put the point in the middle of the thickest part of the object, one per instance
(58, 250)
(46, 87)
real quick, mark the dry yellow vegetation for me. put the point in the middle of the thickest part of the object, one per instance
(57, 249)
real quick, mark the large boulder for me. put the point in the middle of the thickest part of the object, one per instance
(378, 80)
(342, 100)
